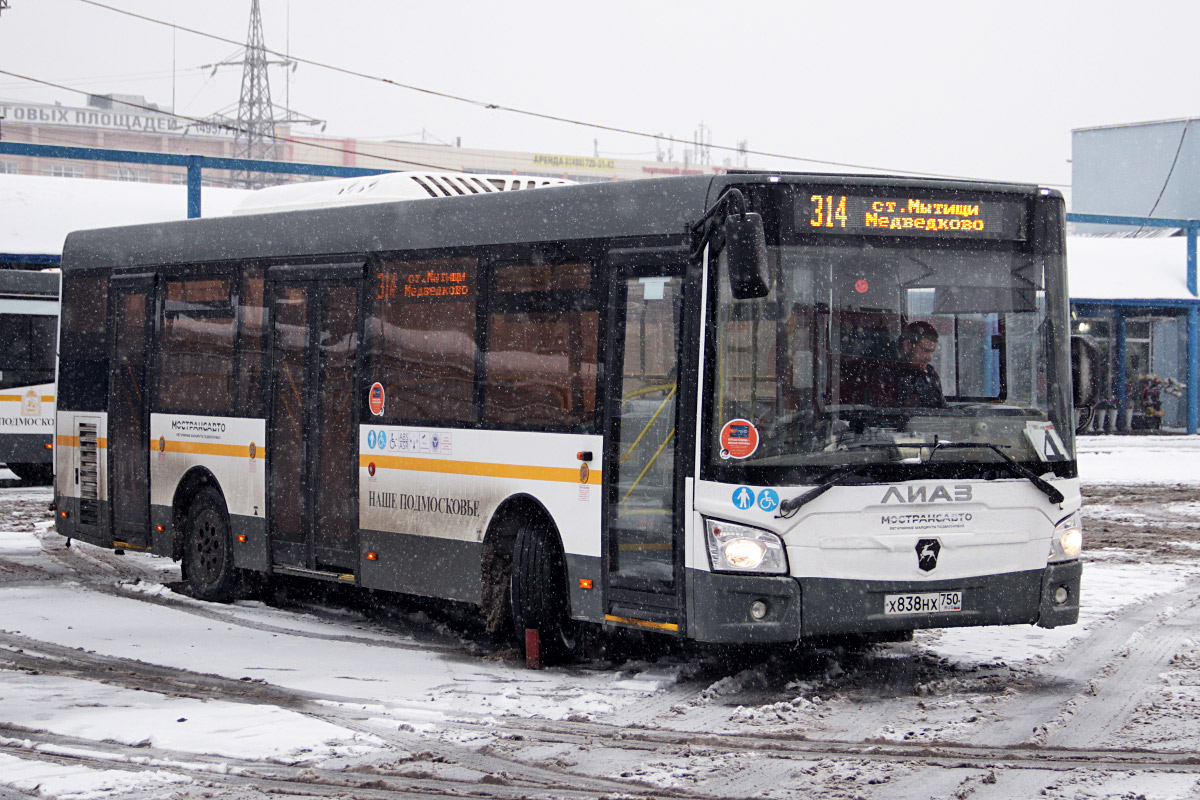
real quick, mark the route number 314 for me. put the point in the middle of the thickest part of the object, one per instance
(828, 213)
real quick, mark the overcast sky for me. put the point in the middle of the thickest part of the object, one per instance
(976, 88)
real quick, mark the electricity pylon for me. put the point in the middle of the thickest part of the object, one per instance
(255, 134)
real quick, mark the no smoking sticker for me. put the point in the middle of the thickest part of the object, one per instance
(739, 439)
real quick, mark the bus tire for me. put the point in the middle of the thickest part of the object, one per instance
(208, 549)
(37, 474)
(539, 592)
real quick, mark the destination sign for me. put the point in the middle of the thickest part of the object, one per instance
(443, 279)
(910, 214)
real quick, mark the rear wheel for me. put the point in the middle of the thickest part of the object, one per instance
(208, 549)
(539, 592)
(38, 474)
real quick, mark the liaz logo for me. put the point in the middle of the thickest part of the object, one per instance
(958, 493)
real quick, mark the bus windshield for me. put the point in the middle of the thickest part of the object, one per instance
(874, 350)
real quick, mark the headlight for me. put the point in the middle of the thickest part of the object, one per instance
(739, 548)
(1067, 542)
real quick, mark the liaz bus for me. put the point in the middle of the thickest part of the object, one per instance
(675, 405)
(28, 336)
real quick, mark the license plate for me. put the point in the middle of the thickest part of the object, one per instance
(926, 603)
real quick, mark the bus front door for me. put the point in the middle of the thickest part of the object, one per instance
(643, 559)
(132, 312)
(312, 448)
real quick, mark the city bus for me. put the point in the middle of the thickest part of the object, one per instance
(665, 405)
(29, 333)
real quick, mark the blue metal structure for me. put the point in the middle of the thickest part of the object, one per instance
(194, 164)
(1192, 308)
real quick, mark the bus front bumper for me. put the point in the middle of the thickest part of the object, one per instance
(798, 608)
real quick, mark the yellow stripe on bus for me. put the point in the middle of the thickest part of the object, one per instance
(16, 398)
(643, 623)
(73, 441)
(481, 468)
(203, 448)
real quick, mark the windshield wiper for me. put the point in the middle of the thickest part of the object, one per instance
(1014, 467)
(788, 508)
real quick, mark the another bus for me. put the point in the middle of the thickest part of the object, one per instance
(28, 336)
(664, 405)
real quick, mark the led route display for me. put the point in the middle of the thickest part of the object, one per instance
(909, 215)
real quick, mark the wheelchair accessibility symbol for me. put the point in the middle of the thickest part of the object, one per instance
(768, 500)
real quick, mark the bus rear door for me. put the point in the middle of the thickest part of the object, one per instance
(132, 312)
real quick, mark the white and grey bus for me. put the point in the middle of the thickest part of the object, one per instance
(669, 404)
(28, 333)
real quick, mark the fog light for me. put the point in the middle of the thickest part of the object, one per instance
(758, 609)
(1061, 594)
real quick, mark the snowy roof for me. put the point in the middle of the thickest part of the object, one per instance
(37, 213)
(1105, 268)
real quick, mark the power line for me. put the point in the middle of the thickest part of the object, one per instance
(524, 112)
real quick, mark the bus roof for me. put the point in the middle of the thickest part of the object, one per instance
(32, 283)
(650, 207)
(620, 209)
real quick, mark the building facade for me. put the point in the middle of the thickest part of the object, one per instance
(1136, 303)
(125, 122)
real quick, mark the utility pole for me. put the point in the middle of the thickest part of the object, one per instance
(255, 134)
(254, 128)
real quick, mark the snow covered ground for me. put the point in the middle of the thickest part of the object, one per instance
(114, 685)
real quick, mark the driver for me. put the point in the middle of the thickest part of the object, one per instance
(916, 382)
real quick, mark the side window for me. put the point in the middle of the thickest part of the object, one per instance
(195, 371)
(252, 326)
(83, 369)
(421, 339)
(542, 347)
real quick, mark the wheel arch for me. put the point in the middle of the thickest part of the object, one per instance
(194, 481)
(495, 569)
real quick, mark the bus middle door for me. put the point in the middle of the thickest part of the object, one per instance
(312, 456)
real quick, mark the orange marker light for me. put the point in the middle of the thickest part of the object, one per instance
(62, 514)
(48, 446)
(585, 583)
(159, 528)
(241, 537)
(372, 556)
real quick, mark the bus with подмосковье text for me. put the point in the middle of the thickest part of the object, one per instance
(667, 405)
(29, 333)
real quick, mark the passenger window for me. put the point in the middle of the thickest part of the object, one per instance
(542, 346)
(252, 327)
(421, 339)
(196, 347)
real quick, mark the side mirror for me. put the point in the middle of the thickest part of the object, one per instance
(746, 251)
(1084, 383)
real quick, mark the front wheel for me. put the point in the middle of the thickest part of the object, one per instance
(208, 549)
(539, 592)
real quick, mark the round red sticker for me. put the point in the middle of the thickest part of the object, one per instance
(377, 399)
(861, 286)
(739, 439)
